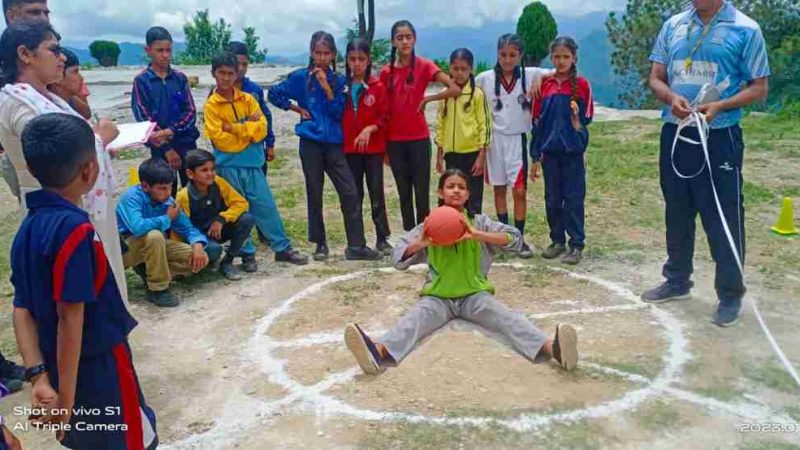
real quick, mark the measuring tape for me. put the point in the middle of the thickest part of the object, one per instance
(697, 119)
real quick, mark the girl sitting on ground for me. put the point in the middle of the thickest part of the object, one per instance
(457, 287)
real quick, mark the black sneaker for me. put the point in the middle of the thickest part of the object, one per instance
(249, 264)
(565, 346)
(162, 299)
(228, 271)
(321, 253)
(384, 247)
(667, 292)
(526, 252)
(728, 314)
(554, 250)
(363, 253)
(291, 256)
(364, 350)
(12, 385)
(10, 370)
(573, 257)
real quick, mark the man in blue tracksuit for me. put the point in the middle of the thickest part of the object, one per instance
(710, 43)
(162, 95)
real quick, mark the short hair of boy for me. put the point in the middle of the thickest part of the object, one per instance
(56, 146)
(238, 48)
(224, 59)
(157, 34)
(197, 158)
(156, 171)
(71, 58)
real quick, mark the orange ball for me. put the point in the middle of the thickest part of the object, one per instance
(445, 226)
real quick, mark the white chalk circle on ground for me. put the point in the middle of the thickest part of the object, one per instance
(243, 412)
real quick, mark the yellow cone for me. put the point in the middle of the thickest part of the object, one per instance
(133, 176)
(785, 225)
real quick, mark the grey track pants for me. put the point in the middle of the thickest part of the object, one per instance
(431, 313)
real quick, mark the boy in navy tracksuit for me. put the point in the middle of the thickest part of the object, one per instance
(561, 113)
(71, 324)
(319, 93)
(163, 95)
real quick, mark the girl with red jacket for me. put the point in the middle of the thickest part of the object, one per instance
(365, 116)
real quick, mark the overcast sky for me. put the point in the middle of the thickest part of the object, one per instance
(284, 25)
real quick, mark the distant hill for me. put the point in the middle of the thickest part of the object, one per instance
(594, 52)
(132, 54)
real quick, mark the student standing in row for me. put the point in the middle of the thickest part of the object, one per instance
(236, 127)
(364, 125)
(562, 113)
(162, 95)
(507, 89)
(318, 93)
(407, 77)
(463, 129)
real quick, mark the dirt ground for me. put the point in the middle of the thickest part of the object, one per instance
(261, 364)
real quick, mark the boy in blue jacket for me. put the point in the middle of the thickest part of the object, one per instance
(146, 214)
(162, 95)
(319, 96)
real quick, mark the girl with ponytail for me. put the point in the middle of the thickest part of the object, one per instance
(317, 94)
(407, 77)
(364, 124)
(510, 88)
(562, 113)
(463, 129)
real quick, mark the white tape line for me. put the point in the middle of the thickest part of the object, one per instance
(782, 356)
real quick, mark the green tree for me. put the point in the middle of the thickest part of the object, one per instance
(204, 39)
(251, 41)
(633, 34)
(538, 28)
(785, 61)
(105, 52)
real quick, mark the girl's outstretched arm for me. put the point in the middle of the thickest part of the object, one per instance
(411, 249)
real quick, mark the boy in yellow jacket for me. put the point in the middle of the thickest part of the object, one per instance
(216, 209)
(463, 130)
(237, 128)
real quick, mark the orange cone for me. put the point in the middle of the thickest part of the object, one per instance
(785, 225)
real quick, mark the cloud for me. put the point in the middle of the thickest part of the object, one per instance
(284, 25)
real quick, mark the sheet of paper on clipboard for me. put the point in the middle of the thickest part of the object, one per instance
(132, 134)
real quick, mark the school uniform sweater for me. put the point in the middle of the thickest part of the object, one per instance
(371, 108)
(554, 132)
(464, 129)
(222, 204)
(252, 88)
(325, 124)
(169, 103)
(243, 146)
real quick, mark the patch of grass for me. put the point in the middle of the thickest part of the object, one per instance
(769, 445)
(755, 194)
(660, 415)
(290, 197)
(131, 154)
(770, 375)
(793, 412)
(720, 391)
(8, 228)
(576, 436)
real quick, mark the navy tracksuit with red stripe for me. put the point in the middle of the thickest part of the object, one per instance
(57, 257)
(560, 148)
